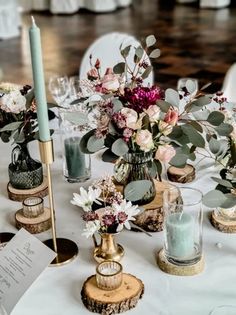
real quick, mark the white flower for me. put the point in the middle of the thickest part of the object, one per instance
(144, 140)
(129, 209)
(86, 198)
(165, 128)
(153, 112)
(13, 102)
(91, 228)
(131, 117)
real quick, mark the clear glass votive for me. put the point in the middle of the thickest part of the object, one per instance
(76, 164)
(109, 275)
(226, 214)
(32, 207)
(182, 225)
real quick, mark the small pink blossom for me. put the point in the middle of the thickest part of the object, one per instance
(165, 153)
(144, 140)
(119, 120)
(172, 117)
(127, 133)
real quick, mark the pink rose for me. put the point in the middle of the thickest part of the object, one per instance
(110, 82)
(153, 112)
(171, 117)
(131, 117)
(165, 153)
(144, 140)
(165, 128)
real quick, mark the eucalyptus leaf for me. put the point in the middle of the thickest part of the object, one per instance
(155, 53)
(196, 125)
(139, 52)
(214, 145)
(12, 126)
(84, 141)
(172, 97)
(109, 156)
(164, 106)
(229, 202)
(135, 190)
(119, 147)
(224, 129)
(216, 118)
(119, 68)
(223, 182)
(147, 71)
(51, 105)
(193, 135)
(179, 160)
(214, 198)
(125, 52)
(117, 105)
(201, 114)
(150, 40)
(76, 118)
(191, 86)
(95, 144)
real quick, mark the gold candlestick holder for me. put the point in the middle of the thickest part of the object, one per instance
(66, 249)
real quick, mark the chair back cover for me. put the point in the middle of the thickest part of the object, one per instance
(107, 49)
(229, 84)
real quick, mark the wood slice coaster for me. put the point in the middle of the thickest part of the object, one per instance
(181, 175)
(34, 225)
(115, 301)
(222, 224)
(20, 194)
(177, 270)
(152, 218)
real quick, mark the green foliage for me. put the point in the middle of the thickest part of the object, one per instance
(135, 190)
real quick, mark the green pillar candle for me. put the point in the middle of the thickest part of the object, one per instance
(180, 235)
(75, 159)
(39, 84)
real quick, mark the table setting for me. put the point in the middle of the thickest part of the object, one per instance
(125, 236)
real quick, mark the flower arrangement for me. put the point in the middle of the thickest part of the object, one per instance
(113, 217)
(18, 118)
(134, 118)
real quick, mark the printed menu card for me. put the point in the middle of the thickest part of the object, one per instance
(22, 260)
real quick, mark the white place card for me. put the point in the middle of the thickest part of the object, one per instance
(22, 260)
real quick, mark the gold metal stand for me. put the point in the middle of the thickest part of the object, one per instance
(66, 249)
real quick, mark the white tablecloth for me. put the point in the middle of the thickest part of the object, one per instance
(57, 290)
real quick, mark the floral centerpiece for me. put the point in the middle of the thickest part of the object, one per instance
(18, 124)
(146, 125)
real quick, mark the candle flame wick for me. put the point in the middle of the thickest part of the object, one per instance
(33, 20)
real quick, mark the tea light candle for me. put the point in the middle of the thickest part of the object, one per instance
(109, 275)
(180, 235)
(32, 207)
(75, 159)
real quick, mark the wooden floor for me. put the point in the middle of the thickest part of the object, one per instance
(194, 42)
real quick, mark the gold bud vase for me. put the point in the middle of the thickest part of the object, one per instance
(108, 248)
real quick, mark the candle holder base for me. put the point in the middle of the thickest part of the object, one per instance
(114, 301)
(5, 237)
(21, 194)
(67, 251)
(177, 270)
(35, 225)
(222, 224)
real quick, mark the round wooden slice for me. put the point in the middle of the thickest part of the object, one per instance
(34, 225)
(112, 302)
(178, 270)
(20, 194)
(221, 224)
(152, 218)
(181, 175)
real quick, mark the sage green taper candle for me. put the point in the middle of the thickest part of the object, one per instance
(39, 84)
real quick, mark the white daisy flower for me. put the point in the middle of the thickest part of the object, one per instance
(129, 209)
(86, 198)
(91, 228)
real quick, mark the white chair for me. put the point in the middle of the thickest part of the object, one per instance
(10, 19)
(215, 4)
(64, 6)
(106, 49)
(229, 84)
(104, 5)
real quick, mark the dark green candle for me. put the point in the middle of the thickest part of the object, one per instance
(75, 159)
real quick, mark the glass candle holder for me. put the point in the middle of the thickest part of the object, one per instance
(76, 164)
(109, 275)
(182, 225)
(32, 207)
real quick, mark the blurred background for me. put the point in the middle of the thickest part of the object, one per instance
(196, 38)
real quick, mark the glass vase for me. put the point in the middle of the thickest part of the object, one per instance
(138, 170)
(108, 249)
(76, 164)
(182, 225)
(24, 172)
